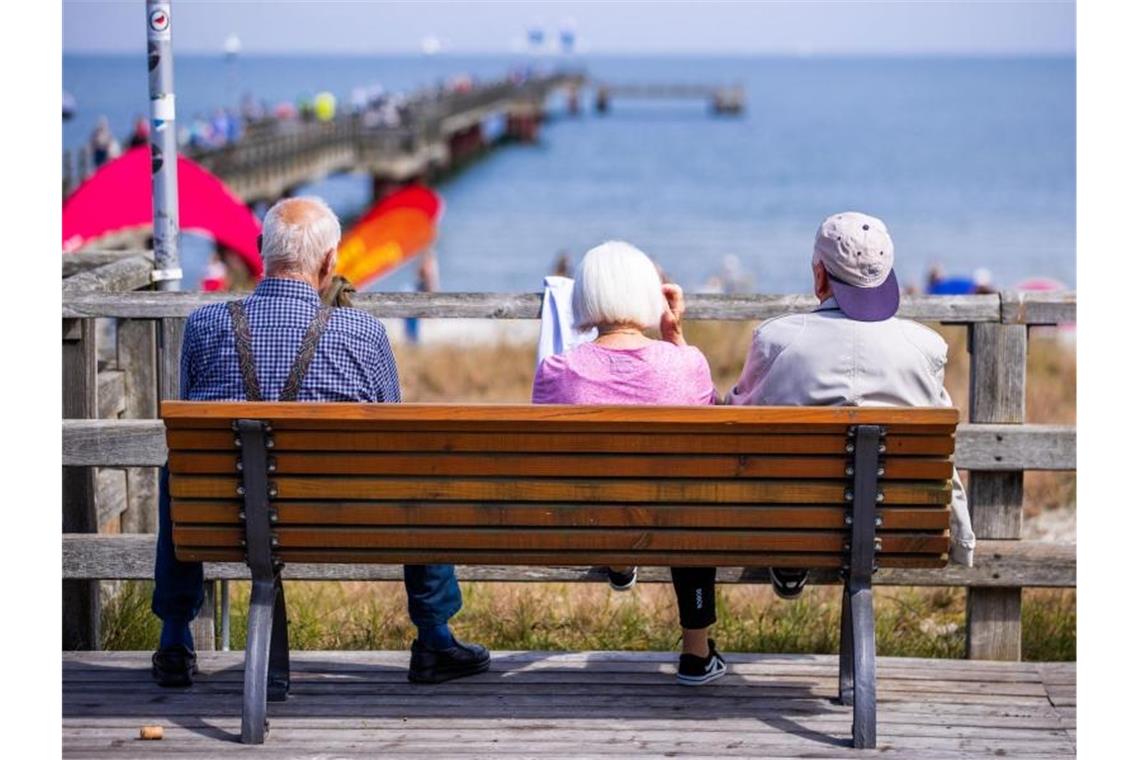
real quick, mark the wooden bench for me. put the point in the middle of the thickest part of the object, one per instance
(841, 488)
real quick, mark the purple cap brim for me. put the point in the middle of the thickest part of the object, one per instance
(867, 304)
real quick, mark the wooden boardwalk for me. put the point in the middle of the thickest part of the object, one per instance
(591, 704)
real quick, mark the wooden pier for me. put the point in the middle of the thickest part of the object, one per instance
(589, 704)
(721, 100)
(438, 131)
(120, 355)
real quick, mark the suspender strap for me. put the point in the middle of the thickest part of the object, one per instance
(243, 338)
(244, 341)
(305, 354)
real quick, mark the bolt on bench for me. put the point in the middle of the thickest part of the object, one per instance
(841, 488)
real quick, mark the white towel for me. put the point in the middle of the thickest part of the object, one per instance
(557, 334)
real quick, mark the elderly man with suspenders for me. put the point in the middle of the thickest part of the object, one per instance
(282, 344)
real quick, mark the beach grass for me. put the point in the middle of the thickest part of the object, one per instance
(578, 616)
(910, 622)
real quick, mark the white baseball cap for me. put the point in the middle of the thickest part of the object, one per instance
(857, 252)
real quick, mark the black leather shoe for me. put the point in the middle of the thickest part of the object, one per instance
(437, 666)
(174, 666)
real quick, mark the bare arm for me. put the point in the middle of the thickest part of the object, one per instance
(671, 318)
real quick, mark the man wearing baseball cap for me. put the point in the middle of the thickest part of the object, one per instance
(851, 351)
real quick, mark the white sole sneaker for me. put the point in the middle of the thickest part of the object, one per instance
(626, 586)
(714, 670)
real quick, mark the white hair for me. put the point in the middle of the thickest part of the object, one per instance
(296, 235)
(617, 284)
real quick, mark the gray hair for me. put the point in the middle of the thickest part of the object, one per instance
(617, 284)
(296, 235)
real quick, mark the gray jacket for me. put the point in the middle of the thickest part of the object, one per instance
(825, 359)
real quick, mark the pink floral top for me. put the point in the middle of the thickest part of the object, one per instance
(657, 374)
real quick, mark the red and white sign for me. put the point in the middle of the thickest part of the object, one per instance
(159, 22)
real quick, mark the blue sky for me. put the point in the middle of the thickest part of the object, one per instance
(821, 27)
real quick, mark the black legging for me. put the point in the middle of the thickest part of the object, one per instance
(696, 595)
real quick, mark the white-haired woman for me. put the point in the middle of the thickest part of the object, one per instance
(617, 289)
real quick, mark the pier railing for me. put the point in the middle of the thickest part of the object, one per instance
(274, 158)
(121, 346)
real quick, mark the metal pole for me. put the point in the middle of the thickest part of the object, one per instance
(163, 145)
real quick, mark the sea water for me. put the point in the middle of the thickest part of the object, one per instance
(970, 161)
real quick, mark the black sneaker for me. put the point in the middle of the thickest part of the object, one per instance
(696, 671)
(174, 667)
(437, 666)
(622, 581)
(788, 584)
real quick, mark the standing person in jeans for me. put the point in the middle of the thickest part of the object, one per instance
(282, 344)
(618, 290)
(851, 351)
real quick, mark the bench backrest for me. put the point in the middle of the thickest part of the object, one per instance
(561, 485)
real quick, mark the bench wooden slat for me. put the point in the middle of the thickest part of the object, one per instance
(564, 558)
(605, 490)
(562, 539)
(526, 485)
(555, 515)
(664, 443)
(550, 427)
(764, 419)
(585, 465)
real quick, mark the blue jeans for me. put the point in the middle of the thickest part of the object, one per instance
(433, 591)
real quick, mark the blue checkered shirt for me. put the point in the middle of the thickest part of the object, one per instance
(353, 361)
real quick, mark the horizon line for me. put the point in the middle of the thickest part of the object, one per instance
(547, 57)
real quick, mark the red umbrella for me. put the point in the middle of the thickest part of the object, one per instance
(118, 197)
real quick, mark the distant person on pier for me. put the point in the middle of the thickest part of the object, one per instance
(140, 135)
(427, 281)
(939, 284)
(618, 290)
(562, 266)
(851, 351)
(260, 347)
(103, 144)
(983, 282)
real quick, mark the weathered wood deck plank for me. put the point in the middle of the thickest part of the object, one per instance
(587, 704)
(118, 276)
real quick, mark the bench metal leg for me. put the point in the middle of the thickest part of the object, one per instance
(279, 646)
(846, 672)
(857, 627)
(863, 662)
(254, 725)
(267, 644)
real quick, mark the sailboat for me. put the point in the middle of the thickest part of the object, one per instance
(232, 46)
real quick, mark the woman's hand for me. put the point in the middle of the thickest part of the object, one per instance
(674, 310)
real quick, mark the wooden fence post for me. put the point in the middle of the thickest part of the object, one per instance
(80, 598)
(137, 358)
(997, 395)
(169, 367)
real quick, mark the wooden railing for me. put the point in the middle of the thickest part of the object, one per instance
(109, 426)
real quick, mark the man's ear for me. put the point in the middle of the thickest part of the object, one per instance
(819, 278)
(328, 266)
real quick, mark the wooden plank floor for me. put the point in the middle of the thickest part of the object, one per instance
(590, 704)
